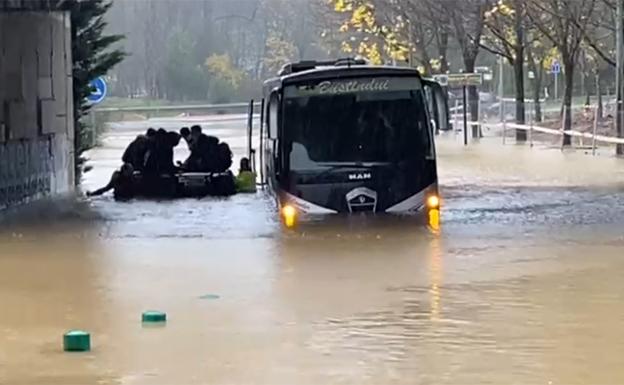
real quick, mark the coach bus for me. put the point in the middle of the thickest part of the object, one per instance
(345, 137)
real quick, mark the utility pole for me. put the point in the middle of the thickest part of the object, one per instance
(619, 123)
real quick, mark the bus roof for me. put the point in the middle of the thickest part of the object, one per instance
(337, 72)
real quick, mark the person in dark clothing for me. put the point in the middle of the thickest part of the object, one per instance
(121, 182)
(160, 157)
(204, 151)
(152, 158)
(136, 151)
(224, 155)
(185, 133)
(171, 141)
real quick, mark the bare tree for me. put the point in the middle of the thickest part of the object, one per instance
(440, 27)
(506, 23)
(601, 38)
(468, 20)
(536, 54)
(428, 31)
(565, 23)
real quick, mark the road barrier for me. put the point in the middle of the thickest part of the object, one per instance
(531, 128)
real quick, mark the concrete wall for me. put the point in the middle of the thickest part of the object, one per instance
(36, 108)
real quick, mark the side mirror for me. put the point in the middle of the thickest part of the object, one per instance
(442, 109)
(437, 101)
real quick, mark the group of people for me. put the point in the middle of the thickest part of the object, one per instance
(152, 155)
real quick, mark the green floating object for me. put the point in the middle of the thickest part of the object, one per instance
(154, 316)
(76, 341)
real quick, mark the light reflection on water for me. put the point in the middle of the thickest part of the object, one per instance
(520, 283)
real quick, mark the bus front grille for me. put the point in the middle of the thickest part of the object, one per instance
(362, 200)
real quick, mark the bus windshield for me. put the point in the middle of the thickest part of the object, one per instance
(363, 122)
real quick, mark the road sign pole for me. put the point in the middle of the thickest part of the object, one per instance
(501, 86)
(556, 86)
(455, 120)
(465, 117)
(619, 121)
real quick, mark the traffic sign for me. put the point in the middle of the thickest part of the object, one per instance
(442, 79)
(555, 68)
(459, 80)
(99, 88)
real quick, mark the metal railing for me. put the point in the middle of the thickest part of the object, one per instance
(481, 122)
(532, 128)
(99, 117)
(194, 107)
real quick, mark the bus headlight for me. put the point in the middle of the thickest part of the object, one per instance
(290, 215)
(433, 202)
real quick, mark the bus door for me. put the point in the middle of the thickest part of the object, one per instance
(271, 148)
(437, 104)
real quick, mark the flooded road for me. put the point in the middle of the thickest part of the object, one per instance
(521, 284)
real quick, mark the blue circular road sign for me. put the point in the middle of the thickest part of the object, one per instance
(556, 67)
(99, 88)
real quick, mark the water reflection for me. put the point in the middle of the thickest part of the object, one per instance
(435, 276)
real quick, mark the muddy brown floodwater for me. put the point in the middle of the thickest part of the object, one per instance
(522, 284)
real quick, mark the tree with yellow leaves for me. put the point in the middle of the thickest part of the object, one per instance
(225, 78)
(280, 52)
(366, 36)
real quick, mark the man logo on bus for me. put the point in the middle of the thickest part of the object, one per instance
(362, 176)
